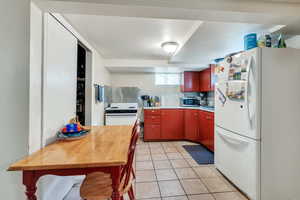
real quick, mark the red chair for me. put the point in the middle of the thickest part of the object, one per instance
(98, 186)
(135, 129)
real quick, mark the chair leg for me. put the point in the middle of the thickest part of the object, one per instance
(131, 193)
(133, 173)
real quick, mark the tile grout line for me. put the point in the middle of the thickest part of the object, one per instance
(199, 176)
(155, 173)
(177, 147)
(196, 175)
(211, 193)
(178, 178)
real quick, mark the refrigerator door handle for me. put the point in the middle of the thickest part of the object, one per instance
(232, 140)
(248, 89)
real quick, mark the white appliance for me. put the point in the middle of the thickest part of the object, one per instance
(121, 114)
(257, 118)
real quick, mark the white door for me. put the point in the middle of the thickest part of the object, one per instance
(238, 158)
(60, 79)
(236, 94)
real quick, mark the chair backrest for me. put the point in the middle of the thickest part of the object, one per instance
(127, 170)
(136, 126)
(134, 130)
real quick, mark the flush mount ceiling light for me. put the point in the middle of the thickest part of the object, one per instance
(170, 47)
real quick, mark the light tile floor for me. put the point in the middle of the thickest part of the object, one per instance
(165, 171)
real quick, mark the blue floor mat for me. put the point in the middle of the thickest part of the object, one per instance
(200, 154)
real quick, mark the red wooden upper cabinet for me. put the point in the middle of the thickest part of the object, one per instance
(191, 124)
(190, 82)
(172, 124)
(207, 80)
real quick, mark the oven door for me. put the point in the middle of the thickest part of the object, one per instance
(120, 119)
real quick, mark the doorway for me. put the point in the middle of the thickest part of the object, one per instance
(81, 84)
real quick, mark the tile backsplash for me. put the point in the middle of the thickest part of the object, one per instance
(211, 98)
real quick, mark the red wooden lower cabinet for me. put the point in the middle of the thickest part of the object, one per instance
(206, 130)
(202, 130)
(211, 131)
(172, 124)
(152, 132)
(191, 124)
(152, 121)
(179, 124)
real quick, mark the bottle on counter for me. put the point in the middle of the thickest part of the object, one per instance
(268, 40)
(261, 42)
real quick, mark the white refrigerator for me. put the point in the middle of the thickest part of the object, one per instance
(257, 118)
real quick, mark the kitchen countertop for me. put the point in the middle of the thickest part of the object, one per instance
(208, 109)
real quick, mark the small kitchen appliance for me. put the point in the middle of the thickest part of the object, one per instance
(189, 102)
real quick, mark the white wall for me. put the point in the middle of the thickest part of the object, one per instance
(146, 82)
(101, 76)
(14, 87)
(294, 42)
(36, 25)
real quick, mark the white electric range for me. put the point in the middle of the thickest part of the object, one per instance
(121, 114)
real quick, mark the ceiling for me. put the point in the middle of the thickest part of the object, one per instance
(150, 69)
(131, 38)
(134, 30)
(215, 40)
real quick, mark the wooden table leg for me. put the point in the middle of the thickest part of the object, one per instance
(29, 180)
(116, 176)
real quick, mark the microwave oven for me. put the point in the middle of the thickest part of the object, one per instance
(189, 101)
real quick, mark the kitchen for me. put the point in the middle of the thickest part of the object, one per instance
(205, 101)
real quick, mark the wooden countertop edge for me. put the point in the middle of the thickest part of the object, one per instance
(65, 166)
